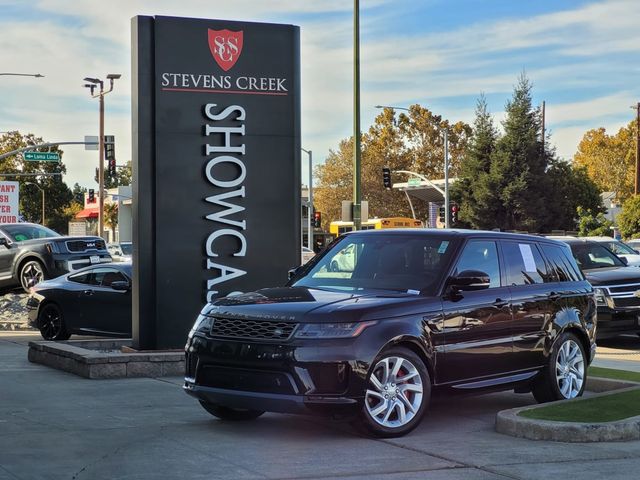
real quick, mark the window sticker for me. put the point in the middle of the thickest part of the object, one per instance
(443, 246)
(527, 256)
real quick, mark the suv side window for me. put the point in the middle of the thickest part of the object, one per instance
(480, 255)
(524, 264)
(562, 267)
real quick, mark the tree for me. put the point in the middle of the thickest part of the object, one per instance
(610, 159)
(593, 224)
(57, 194)
(122, 178)
(629, 218)
(411, 142)
(111, 217)
(472, 190)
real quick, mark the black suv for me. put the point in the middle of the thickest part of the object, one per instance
(617, 286)
(369, 327)
(29, 253)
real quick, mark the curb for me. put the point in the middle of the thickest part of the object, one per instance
(509, 422)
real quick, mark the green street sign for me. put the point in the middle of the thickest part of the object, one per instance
(42, 156)
(414, 182)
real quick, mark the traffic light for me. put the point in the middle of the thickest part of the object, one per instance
(92, 196)
(112, 167)
(386, 178)
(454, 213)
(109, 147)
(441, 214)
(317, 219)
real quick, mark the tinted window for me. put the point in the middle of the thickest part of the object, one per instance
(524, 264)
(104, 277)
(620, 248)
(591, 255)
(480, 255)
(127, 248)
(84, 277)
(561, 266)
(20, 232)
(414, 263)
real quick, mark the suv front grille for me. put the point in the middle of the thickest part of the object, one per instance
(85, 245)
(624, 295)
(252, 329)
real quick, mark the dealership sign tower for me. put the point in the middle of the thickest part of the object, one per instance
(216, 166)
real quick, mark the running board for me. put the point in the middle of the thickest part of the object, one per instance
(520, 377)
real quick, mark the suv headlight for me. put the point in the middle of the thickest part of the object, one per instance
(332, 330)
(602, 297)
(203, 324)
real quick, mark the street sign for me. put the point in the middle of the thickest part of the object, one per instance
(42, 156)
(414, 182)
(91, 142)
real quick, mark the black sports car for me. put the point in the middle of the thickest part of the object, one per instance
(91, 301)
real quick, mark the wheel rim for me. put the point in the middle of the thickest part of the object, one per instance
(32, 274)
(395, 392)
(570, 369)
(50, 322)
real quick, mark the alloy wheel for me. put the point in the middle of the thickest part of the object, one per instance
(50, 322)
(570, 369)
(31, 274)
(395, 392)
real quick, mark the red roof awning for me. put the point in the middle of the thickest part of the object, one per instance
(87, 213)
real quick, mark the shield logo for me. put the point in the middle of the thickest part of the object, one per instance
(226, 47)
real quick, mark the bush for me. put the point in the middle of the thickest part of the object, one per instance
(629, 217)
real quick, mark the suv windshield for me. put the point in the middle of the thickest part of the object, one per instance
(590, 255)
(406, 263)
(21, 232)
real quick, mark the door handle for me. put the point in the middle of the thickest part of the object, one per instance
(88, 292)
(499, 303)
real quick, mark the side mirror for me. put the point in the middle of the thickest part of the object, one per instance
(4, 242)
(624, 260)
(293, 272)
(120, 286)
(468, 280)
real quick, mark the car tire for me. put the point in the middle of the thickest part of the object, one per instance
(31, 273)
(397, 395)
(565, 375)
(228, 413)
(51, 323)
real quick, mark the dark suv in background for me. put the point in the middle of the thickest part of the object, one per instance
(616, 286)
(29, 253)
(370, 326)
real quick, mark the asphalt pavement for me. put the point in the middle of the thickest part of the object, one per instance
(54, 425)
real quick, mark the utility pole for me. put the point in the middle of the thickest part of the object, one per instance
(637, 148)
(447, 213)
(357, 194)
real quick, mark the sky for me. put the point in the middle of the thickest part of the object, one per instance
(582, 57)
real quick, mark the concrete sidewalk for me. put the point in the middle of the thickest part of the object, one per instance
(54, 425)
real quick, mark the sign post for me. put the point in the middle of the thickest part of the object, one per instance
(216, 166)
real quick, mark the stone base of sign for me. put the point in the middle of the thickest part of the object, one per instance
(99, 359)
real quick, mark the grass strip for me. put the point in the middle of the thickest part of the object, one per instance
(607, 408)
(613, 373)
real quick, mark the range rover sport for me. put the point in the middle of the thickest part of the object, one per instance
(369, 337)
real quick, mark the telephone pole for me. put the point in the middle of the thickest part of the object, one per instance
(637, 107)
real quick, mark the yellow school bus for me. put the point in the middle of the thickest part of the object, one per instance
(338, 227)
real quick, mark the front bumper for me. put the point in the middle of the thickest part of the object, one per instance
(320, 377)
(620, 320)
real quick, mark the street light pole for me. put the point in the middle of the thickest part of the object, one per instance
(447, 213)
(41, 191)
(310, 204)
(357, 193)
(92, 84)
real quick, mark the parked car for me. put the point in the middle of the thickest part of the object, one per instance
(634, 243)
(307, 254)
(420, 309)
(30, 253)
(92, 301)
(617, 286)
(120, 252)
(621, 249)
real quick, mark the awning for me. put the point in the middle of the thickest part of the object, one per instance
(88, 213)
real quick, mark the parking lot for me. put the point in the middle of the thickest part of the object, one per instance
(58, 426)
